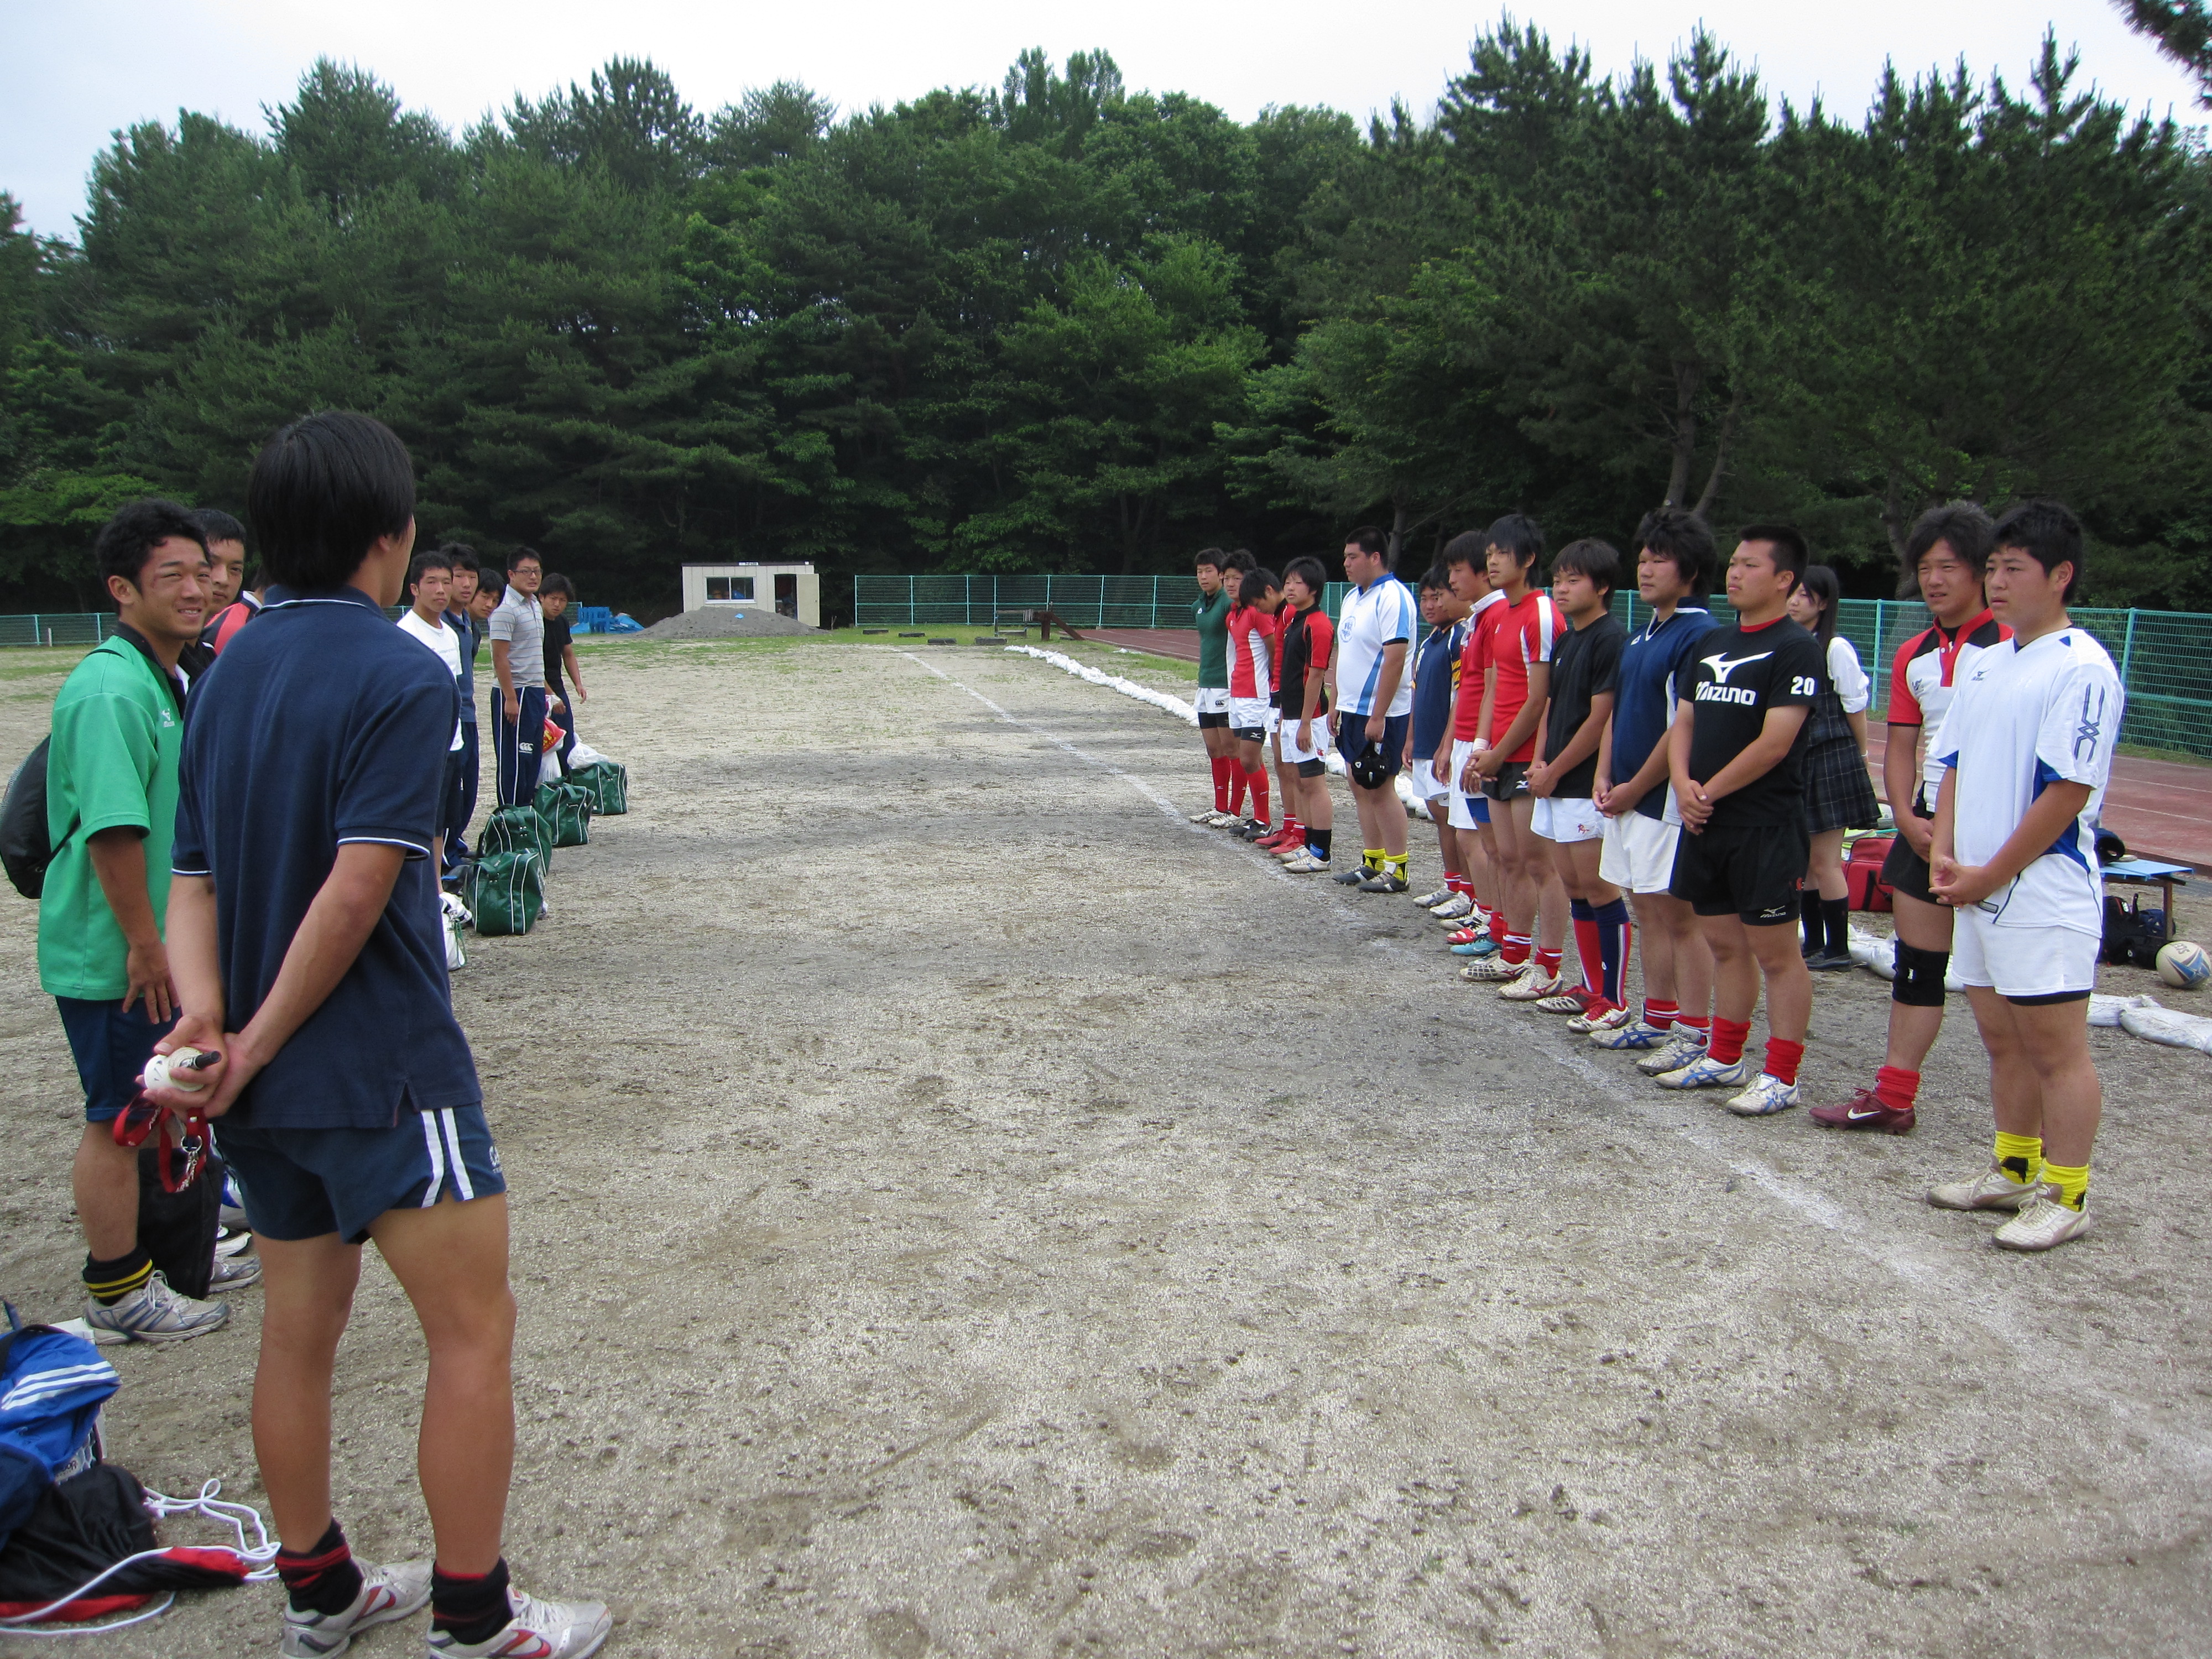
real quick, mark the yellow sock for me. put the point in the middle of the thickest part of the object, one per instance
(1371, 857)
(2072, 1183)
(2020, 1158)
(1396, 863)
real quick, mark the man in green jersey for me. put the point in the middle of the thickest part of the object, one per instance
(111, 814)
(1212, 703)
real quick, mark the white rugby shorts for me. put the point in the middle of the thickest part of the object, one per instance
(1210, 700)
(1250, 714)
(2018, 961)
(1566, 822)
(1460, 815)
(1424, 778)
(1294, 750)
(1639, 853)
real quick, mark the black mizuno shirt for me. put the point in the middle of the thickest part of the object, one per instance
(1585, 665)
(1732, 677)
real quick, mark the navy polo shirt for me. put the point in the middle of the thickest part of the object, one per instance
(1643, 695)
(321, 725)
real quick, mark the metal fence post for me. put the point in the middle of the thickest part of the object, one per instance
(1874, 668)
(2128, 654)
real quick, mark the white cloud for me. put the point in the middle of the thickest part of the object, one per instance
(70, 77)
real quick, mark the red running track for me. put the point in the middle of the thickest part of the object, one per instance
(2162, 809)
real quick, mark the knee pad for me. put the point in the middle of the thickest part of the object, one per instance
(1919, 981)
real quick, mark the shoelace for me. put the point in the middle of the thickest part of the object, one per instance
(209, 1506)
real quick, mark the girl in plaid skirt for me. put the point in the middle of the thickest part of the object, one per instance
(1839, 792)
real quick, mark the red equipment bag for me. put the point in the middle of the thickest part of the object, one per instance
(1862, 881)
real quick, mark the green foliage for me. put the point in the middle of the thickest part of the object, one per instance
(1059, 324)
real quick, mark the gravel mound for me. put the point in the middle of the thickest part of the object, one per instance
(721, 622)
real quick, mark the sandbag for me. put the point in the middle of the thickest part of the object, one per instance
(608, 782)
(518, 829)
(568, 807)
(2169, 1026)
(506, 891)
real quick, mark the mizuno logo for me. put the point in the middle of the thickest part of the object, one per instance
(2091, 725)
(1724, 667)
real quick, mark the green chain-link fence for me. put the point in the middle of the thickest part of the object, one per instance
(2164, 657)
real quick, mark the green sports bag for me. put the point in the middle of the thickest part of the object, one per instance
(609, 784)
(505, 890)
(518, 830)
(567, 808)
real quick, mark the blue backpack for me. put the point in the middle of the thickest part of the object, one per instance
(51, 1387)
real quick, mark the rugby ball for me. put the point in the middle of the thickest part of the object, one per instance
(2184, 965)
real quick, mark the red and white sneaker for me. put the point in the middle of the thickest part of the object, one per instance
(1865, 1110)
(397, 1591)
(538, 1630)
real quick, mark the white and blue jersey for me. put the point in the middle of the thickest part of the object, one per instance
(1372, 619)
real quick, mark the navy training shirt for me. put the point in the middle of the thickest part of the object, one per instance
(322, 725)
(1435, 681)
(1644, 700)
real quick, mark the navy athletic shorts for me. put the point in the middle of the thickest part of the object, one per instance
(302, 1183)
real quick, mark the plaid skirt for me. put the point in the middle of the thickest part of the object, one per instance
(1839, 792)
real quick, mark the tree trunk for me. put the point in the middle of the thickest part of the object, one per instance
(1687, 381)
(1713, 490)
(1893, 525)
(1397, 529)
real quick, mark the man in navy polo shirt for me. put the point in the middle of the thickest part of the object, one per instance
(305, 942)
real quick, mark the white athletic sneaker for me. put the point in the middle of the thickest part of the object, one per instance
(1220, 820)
(1495, 970)
(1630, 1034)
(1766, 1096)
(1684, 1048)
(539, 1630)
(2043, 1222)
(1703, 1073)
(1993, 1189)
(154, 1313)
(232, 1240)
(234, 1272)
(1534, 985)
(1612, 1019)
(397, 1591)
(1458, 905)
(1568, 1001)
(1206, 816)
(1307, 864)
(1429, 901)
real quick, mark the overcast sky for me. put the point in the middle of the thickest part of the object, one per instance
(71, 75)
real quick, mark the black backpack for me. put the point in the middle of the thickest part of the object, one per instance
(25, 848)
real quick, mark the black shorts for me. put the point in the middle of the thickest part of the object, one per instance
(1352, 739)
(1754, 871)
(1213, 722)
(1511, 782)
(1905, 872)
(1312, 769)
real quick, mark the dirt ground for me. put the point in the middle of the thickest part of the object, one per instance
(962, 1208)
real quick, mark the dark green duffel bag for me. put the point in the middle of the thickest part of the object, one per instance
(567, 808)
(506, 891)
(609, 784)
(518, 830)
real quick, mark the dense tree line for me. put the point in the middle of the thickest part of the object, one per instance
(1065, 326)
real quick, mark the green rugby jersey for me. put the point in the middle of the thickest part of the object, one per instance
(1213, 640)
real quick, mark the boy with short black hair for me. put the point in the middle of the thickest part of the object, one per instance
(1210, 614)
(111, 814)
(1735, 755)
(1373, 703)
(557, 595)
(1467, 567)
(309, 957)
(1673, 571)
(231, 605)
(1252, 688)
(1585, 676)
(1947, 551)
(430, 593)
(517, 658)
(469, 631)
(2027, 751)
(1302, 702)
(1436, 682)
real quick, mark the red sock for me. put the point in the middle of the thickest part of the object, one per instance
(1547, 963)
(1498, 932)
(1256, 781)
(1236, 789)
(1896, 1088)
(1591, 954)
(1726, 1046)
(1660, 1015)
(1460, 885)
(1223, 770)
(1783, 1059)
(1516, 949)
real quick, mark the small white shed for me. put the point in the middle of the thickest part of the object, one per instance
(788, 590)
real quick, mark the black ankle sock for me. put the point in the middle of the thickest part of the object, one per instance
(1836, 914)
(326, 1579)
(472, 1608)
(1318, 840)
(109, 1282)
(1815, 924)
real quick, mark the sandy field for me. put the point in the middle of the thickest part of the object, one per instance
(961, 1208)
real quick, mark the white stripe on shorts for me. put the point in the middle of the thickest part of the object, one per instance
(461, 1187)
(437, 1158)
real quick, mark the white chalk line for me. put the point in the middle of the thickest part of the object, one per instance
(2021, 1330)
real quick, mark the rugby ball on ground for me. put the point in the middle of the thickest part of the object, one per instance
(2184, 965)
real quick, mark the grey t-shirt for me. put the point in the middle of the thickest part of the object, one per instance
(522, 625)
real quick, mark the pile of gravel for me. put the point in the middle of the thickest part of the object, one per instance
(721, 621)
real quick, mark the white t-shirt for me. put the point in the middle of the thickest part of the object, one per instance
(443, 640)
(1383, 615)
(2023, 719)
(1853, 690)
